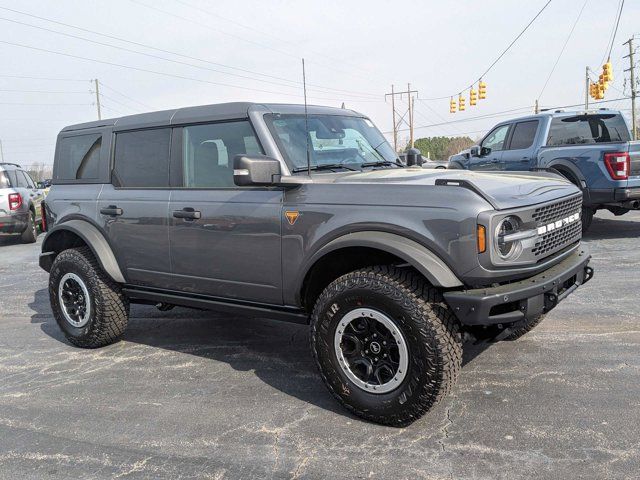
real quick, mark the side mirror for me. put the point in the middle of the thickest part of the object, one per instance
(414, 157)
(474, 151)
(256, 170)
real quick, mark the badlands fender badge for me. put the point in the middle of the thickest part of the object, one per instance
(291, 216)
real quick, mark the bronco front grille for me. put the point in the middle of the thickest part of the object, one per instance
(555, 211)
(563, 234)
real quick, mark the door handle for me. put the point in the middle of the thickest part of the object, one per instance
(494, 160)
(524, 159)
(187, 213)
(111, 210)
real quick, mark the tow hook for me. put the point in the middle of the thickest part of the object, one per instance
(588, 274)
(550, 301)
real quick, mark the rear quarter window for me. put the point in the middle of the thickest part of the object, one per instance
(4, 180)
(588, 129)
(78, 157)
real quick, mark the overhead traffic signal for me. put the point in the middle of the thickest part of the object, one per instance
(473, 97)
(607, 71)
(461, 102)
(452, 106)
(482, 90)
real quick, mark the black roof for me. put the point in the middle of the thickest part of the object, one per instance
(203, 113)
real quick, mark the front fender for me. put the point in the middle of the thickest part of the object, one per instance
(418, 256)
(98, 244)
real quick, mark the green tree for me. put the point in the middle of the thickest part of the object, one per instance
(441, 148)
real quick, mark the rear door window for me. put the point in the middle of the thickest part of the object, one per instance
(79, 157)
(141, 158)
(27, 178)
(524, 133)
(21, 180)
(586, 129)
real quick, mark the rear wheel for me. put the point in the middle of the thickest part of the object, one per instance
(30, 235)
(87, 304)
(387, 346)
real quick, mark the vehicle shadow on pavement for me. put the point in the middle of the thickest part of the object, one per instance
(612, 228)
(277, 352)
(6, 240)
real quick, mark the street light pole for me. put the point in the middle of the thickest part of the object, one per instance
(1, 152)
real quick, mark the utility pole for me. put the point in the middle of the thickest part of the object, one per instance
(395, 128)
(631, 69)
(411, 105)
(587, 82)
(408, 113)
(1, 152)
(98, 98)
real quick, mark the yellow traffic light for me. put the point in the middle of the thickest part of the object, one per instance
(607, 71)
(482, 90)
(473, 97)
(452, 106)
(461, 102)
(600, 91)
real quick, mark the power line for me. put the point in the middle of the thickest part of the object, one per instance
(126, 96)
(166, 74)
(469, 119)
(120, 39)
(38, 104)
(241, 38)
(562, 49)
(268, 34)
(614, 33)
(499, 56)
(44, 78)
(41, 91)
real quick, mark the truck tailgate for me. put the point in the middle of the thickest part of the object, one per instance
(634, 155)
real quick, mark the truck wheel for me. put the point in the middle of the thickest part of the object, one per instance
(526, 328)
(87, 304)
(587, 217)
(30, 235)
(387, 346)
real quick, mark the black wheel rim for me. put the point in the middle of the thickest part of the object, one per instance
(74, 300)
(371, 350)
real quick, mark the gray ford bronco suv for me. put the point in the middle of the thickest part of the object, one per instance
(267, 211)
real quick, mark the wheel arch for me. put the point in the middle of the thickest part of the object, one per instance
(368, 248)
(75, 233)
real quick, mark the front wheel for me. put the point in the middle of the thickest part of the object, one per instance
(387, 346)
(88, 305)
(587, 217)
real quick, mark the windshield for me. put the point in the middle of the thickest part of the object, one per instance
(334, 141)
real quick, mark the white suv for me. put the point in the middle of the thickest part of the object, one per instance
(20, 202)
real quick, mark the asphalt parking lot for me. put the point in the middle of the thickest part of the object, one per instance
(192, 394)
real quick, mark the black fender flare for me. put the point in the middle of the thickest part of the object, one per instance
(94, 239)
(420, 257)
(570, 167)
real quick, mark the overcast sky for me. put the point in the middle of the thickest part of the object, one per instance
(251, 50)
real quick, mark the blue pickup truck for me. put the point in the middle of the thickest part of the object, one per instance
(591, 149)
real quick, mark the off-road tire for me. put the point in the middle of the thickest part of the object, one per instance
(30, 235)
(109, 307)
(430, 330)
(587, 217)
(526, 328)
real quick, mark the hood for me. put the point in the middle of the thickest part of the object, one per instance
(501, 190)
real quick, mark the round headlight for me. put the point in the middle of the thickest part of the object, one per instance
(508, 250)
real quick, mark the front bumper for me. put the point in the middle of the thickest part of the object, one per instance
(522, 300)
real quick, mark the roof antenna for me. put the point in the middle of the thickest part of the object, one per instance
(306, 118)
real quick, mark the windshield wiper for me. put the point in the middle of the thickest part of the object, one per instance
(382, 163)
(325, 166)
